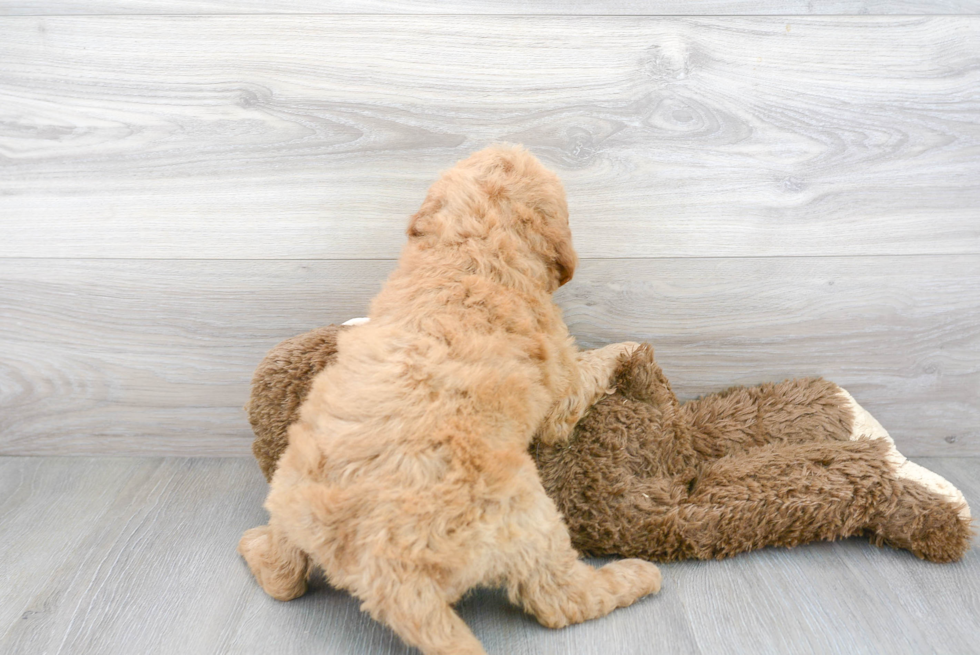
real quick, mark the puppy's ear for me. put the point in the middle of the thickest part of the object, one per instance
(422, 222)
(566, 260)
(416, 225)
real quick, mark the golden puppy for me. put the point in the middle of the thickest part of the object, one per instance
(407, 477)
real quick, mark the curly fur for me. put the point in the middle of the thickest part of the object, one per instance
(407, 477)
(646, 476)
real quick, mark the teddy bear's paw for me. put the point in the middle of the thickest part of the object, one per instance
(909, 470)
(924, 522)
(865, 426)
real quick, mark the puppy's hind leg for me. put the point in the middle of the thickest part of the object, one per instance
(415, 607)
(546, 577)
(278, 566)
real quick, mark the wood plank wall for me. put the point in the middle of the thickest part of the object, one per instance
(759, 192)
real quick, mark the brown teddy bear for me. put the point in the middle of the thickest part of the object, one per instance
(645, 476)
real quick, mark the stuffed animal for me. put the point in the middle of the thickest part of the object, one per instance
(646, 476)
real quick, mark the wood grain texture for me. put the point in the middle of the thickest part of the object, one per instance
(154, 357)
(316, 136)
(552, 7)
(122, 556)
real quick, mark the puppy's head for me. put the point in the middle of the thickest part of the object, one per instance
(499, 195)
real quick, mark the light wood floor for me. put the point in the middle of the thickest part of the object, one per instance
(104, 556)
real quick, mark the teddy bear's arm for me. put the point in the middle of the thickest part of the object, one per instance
(594, 377)
(797, 411)
(280, 385)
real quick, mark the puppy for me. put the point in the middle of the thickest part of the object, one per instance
(407, 477)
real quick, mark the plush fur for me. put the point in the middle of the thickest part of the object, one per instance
(407, 477)
(775, 465)
(645, 476)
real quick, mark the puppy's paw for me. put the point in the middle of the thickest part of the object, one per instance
(633, 579)
(615, 358)
(281, 578)
(556, 429)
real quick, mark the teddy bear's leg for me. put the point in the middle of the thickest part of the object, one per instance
(795, 412)
(785, 495)
(774, 495)
(864, 426)
(278, 566)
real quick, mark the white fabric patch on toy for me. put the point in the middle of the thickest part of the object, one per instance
(865, 425)
(357, 321)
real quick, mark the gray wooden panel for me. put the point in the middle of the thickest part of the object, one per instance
(116, 556)
(552, 7)
(155, 357)
(316, 136)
